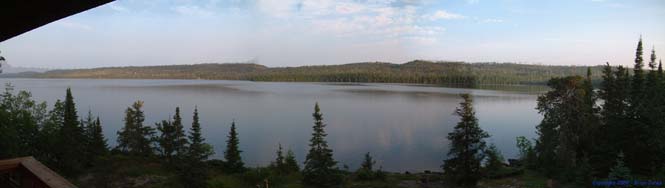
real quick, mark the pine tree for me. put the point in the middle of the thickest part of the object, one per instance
(194, 171)
(290, 163)
(198, 149)
(98, 146)
(135, 138)
(564, 128)
(95, 145)
(637, 85)
(232, 154)
(368, 162)
(610, 136)
(366, 172)
(179, 137)
(320, 170)
(166, 139)
(279, 160)
(71, 140)
(466, 147)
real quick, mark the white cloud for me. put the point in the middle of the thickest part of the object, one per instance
(492, 20)
(349, 8)
(444, 15)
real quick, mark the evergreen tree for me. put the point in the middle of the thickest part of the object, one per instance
(95, 145)
(368, 162)
(135, 138)
(290, 163)
(366, 170)
(179, 137)
(494, 162)
(610, 136)
(637, 85)
(194, 171)
(98, 146)
(232, 154)
(49, 135)
(71, 140)
(562, 143)
(640, 152)
(466, 147)
(198, 149)
(279, 160)
(619, 171)
(166, 139)
(320, 170)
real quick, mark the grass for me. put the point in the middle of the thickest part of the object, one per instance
(125, 171)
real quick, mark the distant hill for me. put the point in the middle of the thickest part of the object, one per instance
(7, 68)
(421, 72)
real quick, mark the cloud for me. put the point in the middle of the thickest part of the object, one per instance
(443, 15)
(192, 10)
(492, 20)
(349, 8)
(472, 1)
(116, 7)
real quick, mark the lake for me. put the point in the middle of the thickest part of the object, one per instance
(403, 126)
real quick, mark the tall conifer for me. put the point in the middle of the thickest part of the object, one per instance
(232, 154)
(320, 170)
(467, 147)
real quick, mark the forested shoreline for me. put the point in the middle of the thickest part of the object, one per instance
(614, 132)
(417, 72)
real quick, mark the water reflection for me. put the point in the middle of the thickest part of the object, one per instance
(403, 126)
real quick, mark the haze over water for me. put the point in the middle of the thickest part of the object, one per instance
(404, 127)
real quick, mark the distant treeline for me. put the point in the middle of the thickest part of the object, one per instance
(419, 71)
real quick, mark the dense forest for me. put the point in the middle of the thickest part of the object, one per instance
(420, 72)
(588, 137)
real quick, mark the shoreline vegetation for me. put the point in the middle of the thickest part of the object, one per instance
(457, 74)
(581, 141)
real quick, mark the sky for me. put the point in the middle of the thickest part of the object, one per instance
(279, 33)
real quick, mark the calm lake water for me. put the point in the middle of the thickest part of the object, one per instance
(404, 127)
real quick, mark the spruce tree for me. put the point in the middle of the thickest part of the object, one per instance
(637, 85)
(278, 164)
(166, 139)
(368, 162)
(95, 145)
(198, 149)
(232, 154)
(179, 137)
(98, 146)
(564, 126)
(195, 171)
(290, 163)
(135, 138)
(366, 170)
(466, 147)
(71, 141)
(320, 170)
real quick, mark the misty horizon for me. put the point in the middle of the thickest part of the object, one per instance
(301, 32)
